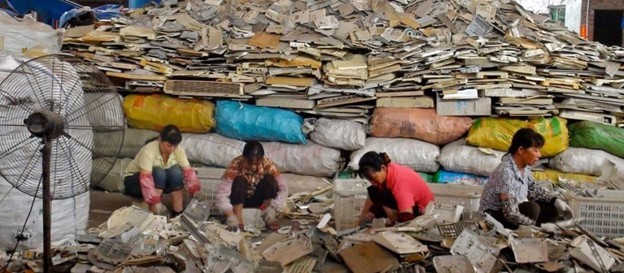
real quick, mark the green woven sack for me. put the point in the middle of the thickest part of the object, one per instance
(593, 135)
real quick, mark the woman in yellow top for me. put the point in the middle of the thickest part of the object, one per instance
(161, 167)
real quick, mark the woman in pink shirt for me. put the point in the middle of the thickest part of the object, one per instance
(398, 193)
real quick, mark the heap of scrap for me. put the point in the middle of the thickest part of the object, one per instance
(342, 58)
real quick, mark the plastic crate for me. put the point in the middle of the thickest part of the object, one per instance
(604, 213)
(349, 196)
(464, 195)
(209, 179)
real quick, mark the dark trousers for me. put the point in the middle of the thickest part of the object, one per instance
(384, 198)
(540, 212)
(266, 189)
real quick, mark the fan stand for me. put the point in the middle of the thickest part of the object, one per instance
(48, 126)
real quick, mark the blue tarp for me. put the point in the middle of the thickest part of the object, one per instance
(48, 11)
(249, 122)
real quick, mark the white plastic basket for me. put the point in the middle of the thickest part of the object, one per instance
(467, 196)
(349, 196)
(604, 213)
(209, 179)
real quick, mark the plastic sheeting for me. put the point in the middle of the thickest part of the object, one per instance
(308, 159)
(154, 112)
(339, 134)
(249, 122)
(113, 180)
(415, 154)
(496, 133)
(134, 140)
(422, 124)
(69, 218)
(584, 161)
(460, 157)
(593, 135)
(28, 33)
(211, 149)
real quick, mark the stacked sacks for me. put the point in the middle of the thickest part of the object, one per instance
(411, 136)
(281, 130)
(596, 150)
(471, 160)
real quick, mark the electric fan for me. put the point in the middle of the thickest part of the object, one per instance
(50, 109)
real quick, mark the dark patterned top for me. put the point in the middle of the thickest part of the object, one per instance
(519, 186)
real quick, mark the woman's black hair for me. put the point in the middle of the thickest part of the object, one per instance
(171, 134)
(253, 150)
(372, 162)
(526, 138)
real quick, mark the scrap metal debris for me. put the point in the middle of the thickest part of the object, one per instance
(331, 58)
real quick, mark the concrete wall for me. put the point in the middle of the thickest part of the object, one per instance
(573, 10)
(573, 15)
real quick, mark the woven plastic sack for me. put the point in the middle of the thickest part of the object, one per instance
(155, 112)
(308, 159)
(496, 133)
(303, 183)
(584, 161)
(340, 134)
(415, 154)
(69, 218)
(422, 124)
(211, 149)
(459, 157)
(249, 122)
(27, 33)
(113, 180)
(133, 141)
(593, 135)
(554, 176)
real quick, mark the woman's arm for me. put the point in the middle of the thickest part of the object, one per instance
(511, 211)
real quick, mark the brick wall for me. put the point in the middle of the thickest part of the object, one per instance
(597, 5)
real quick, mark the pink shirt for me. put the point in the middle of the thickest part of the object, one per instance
(408, 188)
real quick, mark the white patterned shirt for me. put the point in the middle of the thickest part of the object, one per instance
(520, 187)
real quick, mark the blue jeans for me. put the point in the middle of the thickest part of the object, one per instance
(167, 180)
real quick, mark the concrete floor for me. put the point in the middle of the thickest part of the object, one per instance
(103, 204)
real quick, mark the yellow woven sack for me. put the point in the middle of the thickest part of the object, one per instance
(496, 133)
(156, 111)
(554, 175)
